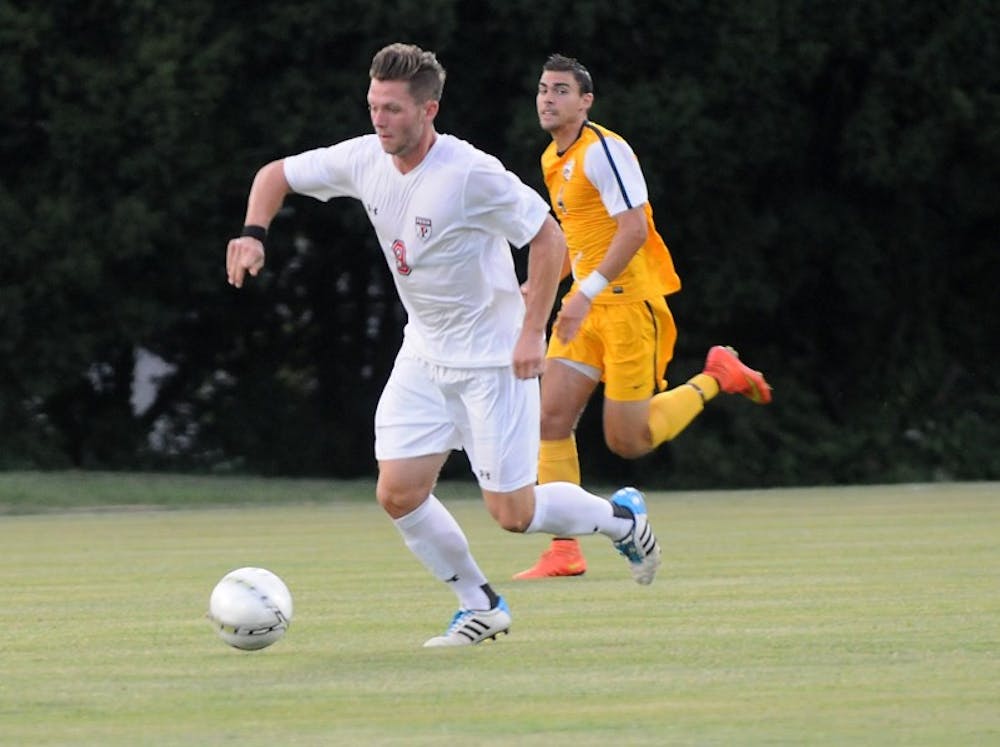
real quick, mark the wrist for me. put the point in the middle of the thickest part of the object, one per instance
(593, 284)
(254, 231)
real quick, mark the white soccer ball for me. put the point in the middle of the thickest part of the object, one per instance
(250, 608)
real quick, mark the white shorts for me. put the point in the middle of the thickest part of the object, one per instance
(490, 413)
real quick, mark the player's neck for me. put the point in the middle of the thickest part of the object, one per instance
(408, 161)
(567, 134)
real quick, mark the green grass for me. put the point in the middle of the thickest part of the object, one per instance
(820, 617)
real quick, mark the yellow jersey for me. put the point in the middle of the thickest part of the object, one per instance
(597, 171)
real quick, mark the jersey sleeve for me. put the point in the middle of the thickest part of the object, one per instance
(498, 202)
(324, 173)
(616, 174)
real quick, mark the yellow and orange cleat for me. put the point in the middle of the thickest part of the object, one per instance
(723, 364)
(563, 558)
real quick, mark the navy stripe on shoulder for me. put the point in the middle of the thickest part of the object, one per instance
(614, 168)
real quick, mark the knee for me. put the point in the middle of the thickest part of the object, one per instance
(511, 518)
(398, 501)
(629, 446)
(515, 523)
(516, 527)
(556, 426)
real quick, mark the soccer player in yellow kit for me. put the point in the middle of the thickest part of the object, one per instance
(614, 324)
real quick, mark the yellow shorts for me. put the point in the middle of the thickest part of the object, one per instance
(629, 343)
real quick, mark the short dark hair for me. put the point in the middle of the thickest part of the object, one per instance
(562, 64)
(408, 62)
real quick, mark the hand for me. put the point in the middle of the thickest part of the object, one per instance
(529, 355)
(243, 254)
(574, 310)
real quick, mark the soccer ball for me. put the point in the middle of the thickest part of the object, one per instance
(250, 608)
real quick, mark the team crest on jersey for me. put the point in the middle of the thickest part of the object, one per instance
(567, 170)
(423, 228)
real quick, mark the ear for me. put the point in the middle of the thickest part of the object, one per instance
(588, 100)
(431, 109)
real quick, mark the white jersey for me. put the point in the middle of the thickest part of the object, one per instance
(444, 229)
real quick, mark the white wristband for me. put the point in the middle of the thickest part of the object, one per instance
(593, 284)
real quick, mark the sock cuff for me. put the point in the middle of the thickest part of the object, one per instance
(560, 448)
(707, 386)
(418, 514)
(558, 461)
(672, 411)
(541, 503)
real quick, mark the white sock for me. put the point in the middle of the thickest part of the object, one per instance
(433, 535)
(567, 510)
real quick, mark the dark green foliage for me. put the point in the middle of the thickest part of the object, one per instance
(825, 173)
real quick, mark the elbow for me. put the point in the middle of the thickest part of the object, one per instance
(640, 232)
(273, 175)
(633, 228)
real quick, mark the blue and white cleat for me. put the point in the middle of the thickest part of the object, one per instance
(639, 546)
(473, 626)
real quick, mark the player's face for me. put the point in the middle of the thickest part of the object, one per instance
(559, 101)
(399, 121)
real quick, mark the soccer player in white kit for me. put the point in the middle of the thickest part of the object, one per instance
(465, 376)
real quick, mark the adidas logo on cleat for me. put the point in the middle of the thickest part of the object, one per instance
(469, 627)
(639, 546)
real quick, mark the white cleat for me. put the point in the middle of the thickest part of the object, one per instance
(639, 547)
(473, 626)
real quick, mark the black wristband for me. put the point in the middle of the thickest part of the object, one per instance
(255, 232)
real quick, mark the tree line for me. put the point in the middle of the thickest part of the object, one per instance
(825, 173)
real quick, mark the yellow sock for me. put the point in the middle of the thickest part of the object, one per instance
(672, 411)
(558, 461)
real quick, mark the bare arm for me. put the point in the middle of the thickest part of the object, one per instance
(545, 262)
(628, 239)
(246, 254)
(567, 268)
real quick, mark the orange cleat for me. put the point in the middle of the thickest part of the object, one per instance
(563, 558)
(723, 364)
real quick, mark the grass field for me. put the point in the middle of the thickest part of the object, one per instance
(839, 616)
